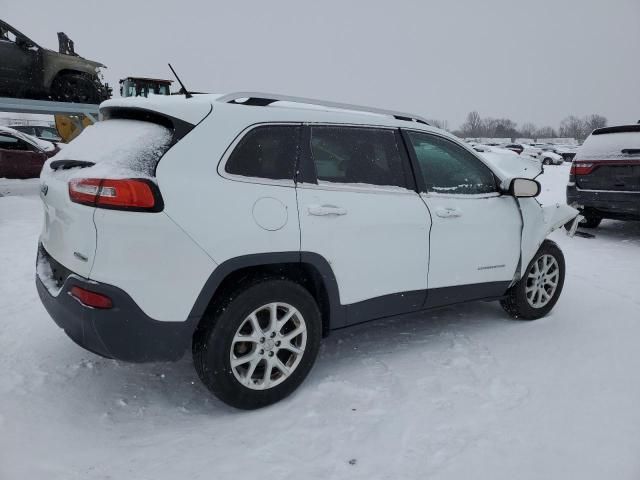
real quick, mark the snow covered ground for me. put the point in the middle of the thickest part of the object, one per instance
(462, 392)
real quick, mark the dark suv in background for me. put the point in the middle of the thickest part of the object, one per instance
(28, 70)
(605, 176)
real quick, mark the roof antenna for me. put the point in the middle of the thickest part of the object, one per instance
(184, 89)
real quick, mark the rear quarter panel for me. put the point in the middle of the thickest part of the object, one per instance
(152, 259)
(218, 213)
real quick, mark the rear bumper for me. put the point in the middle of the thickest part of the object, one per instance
(123, 332)
(615, 205)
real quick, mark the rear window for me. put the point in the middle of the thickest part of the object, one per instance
(266, 152)
(611, 146)
(119, 148)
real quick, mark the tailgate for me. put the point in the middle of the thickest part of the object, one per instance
(68, 234)
(611, 176)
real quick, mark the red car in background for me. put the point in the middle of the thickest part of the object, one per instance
(21, 155)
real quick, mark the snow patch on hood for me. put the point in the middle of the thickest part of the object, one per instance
(511, 165)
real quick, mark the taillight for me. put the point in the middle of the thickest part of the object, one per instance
(127, 194)
(581, 168)
(91, 299)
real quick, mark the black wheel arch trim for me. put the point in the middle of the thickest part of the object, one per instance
(337, 316)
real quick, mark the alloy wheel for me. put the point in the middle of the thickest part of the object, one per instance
(268, 346)
(542, 281)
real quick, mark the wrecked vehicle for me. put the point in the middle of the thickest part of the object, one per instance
(319, 215)
(28, 70)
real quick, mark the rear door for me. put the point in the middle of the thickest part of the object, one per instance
(476, 231)
(359, 210)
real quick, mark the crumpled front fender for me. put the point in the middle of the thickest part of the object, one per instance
(539, 222)
(557, 215)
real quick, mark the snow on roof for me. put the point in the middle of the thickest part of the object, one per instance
(611, 143)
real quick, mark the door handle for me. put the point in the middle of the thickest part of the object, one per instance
(323, 210)
(448, 212)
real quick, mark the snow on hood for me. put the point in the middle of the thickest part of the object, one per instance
(511, 165)
(119, 148)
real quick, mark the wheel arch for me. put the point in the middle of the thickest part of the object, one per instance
(538, 223)
(53, 74)
(309, 269)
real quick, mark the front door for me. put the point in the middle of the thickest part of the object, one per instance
(475, 236)
(361, 212)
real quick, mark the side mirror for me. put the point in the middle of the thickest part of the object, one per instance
(524, 187)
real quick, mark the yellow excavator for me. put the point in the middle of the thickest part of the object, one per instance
(70, 126)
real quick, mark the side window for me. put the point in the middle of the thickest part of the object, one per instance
(266, 152)
(11, 143)
(7, 35)
(449, 168)
(47, 134)
(372, 156)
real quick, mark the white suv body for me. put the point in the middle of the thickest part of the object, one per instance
(372, 213)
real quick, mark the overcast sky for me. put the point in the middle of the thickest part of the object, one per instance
(530, 61)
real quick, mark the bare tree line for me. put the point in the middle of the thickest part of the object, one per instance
(570, 127)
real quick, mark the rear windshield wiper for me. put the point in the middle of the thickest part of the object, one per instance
(67, 164)
(631, 151)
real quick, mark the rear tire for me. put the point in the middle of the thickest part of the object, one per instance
(242, 327)
(546, 161)
(75, 88)
(538, 291)
(590, 221)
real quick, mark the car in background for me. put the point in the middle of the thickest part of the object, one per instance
(548, 157)
(21, 155)
(515, 147)
(568, 152)
(604, 181)
(43, 132)
(523, 149)
(28, 70)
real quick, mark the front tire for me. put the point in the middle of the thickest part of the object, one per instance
(538, 291)
(259, 343)
(546, 161)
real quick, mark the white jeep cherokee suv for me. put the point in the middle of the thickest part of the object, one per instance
(248, 226)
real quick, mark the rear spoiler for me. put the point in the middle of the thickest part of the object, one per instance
(618, 129)
(179, 127)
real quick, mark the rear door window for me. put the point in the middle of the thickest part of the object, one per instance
(268, 151)
(357, 155)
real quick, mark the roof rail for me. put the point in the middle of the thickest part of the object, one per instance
(258, 99)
